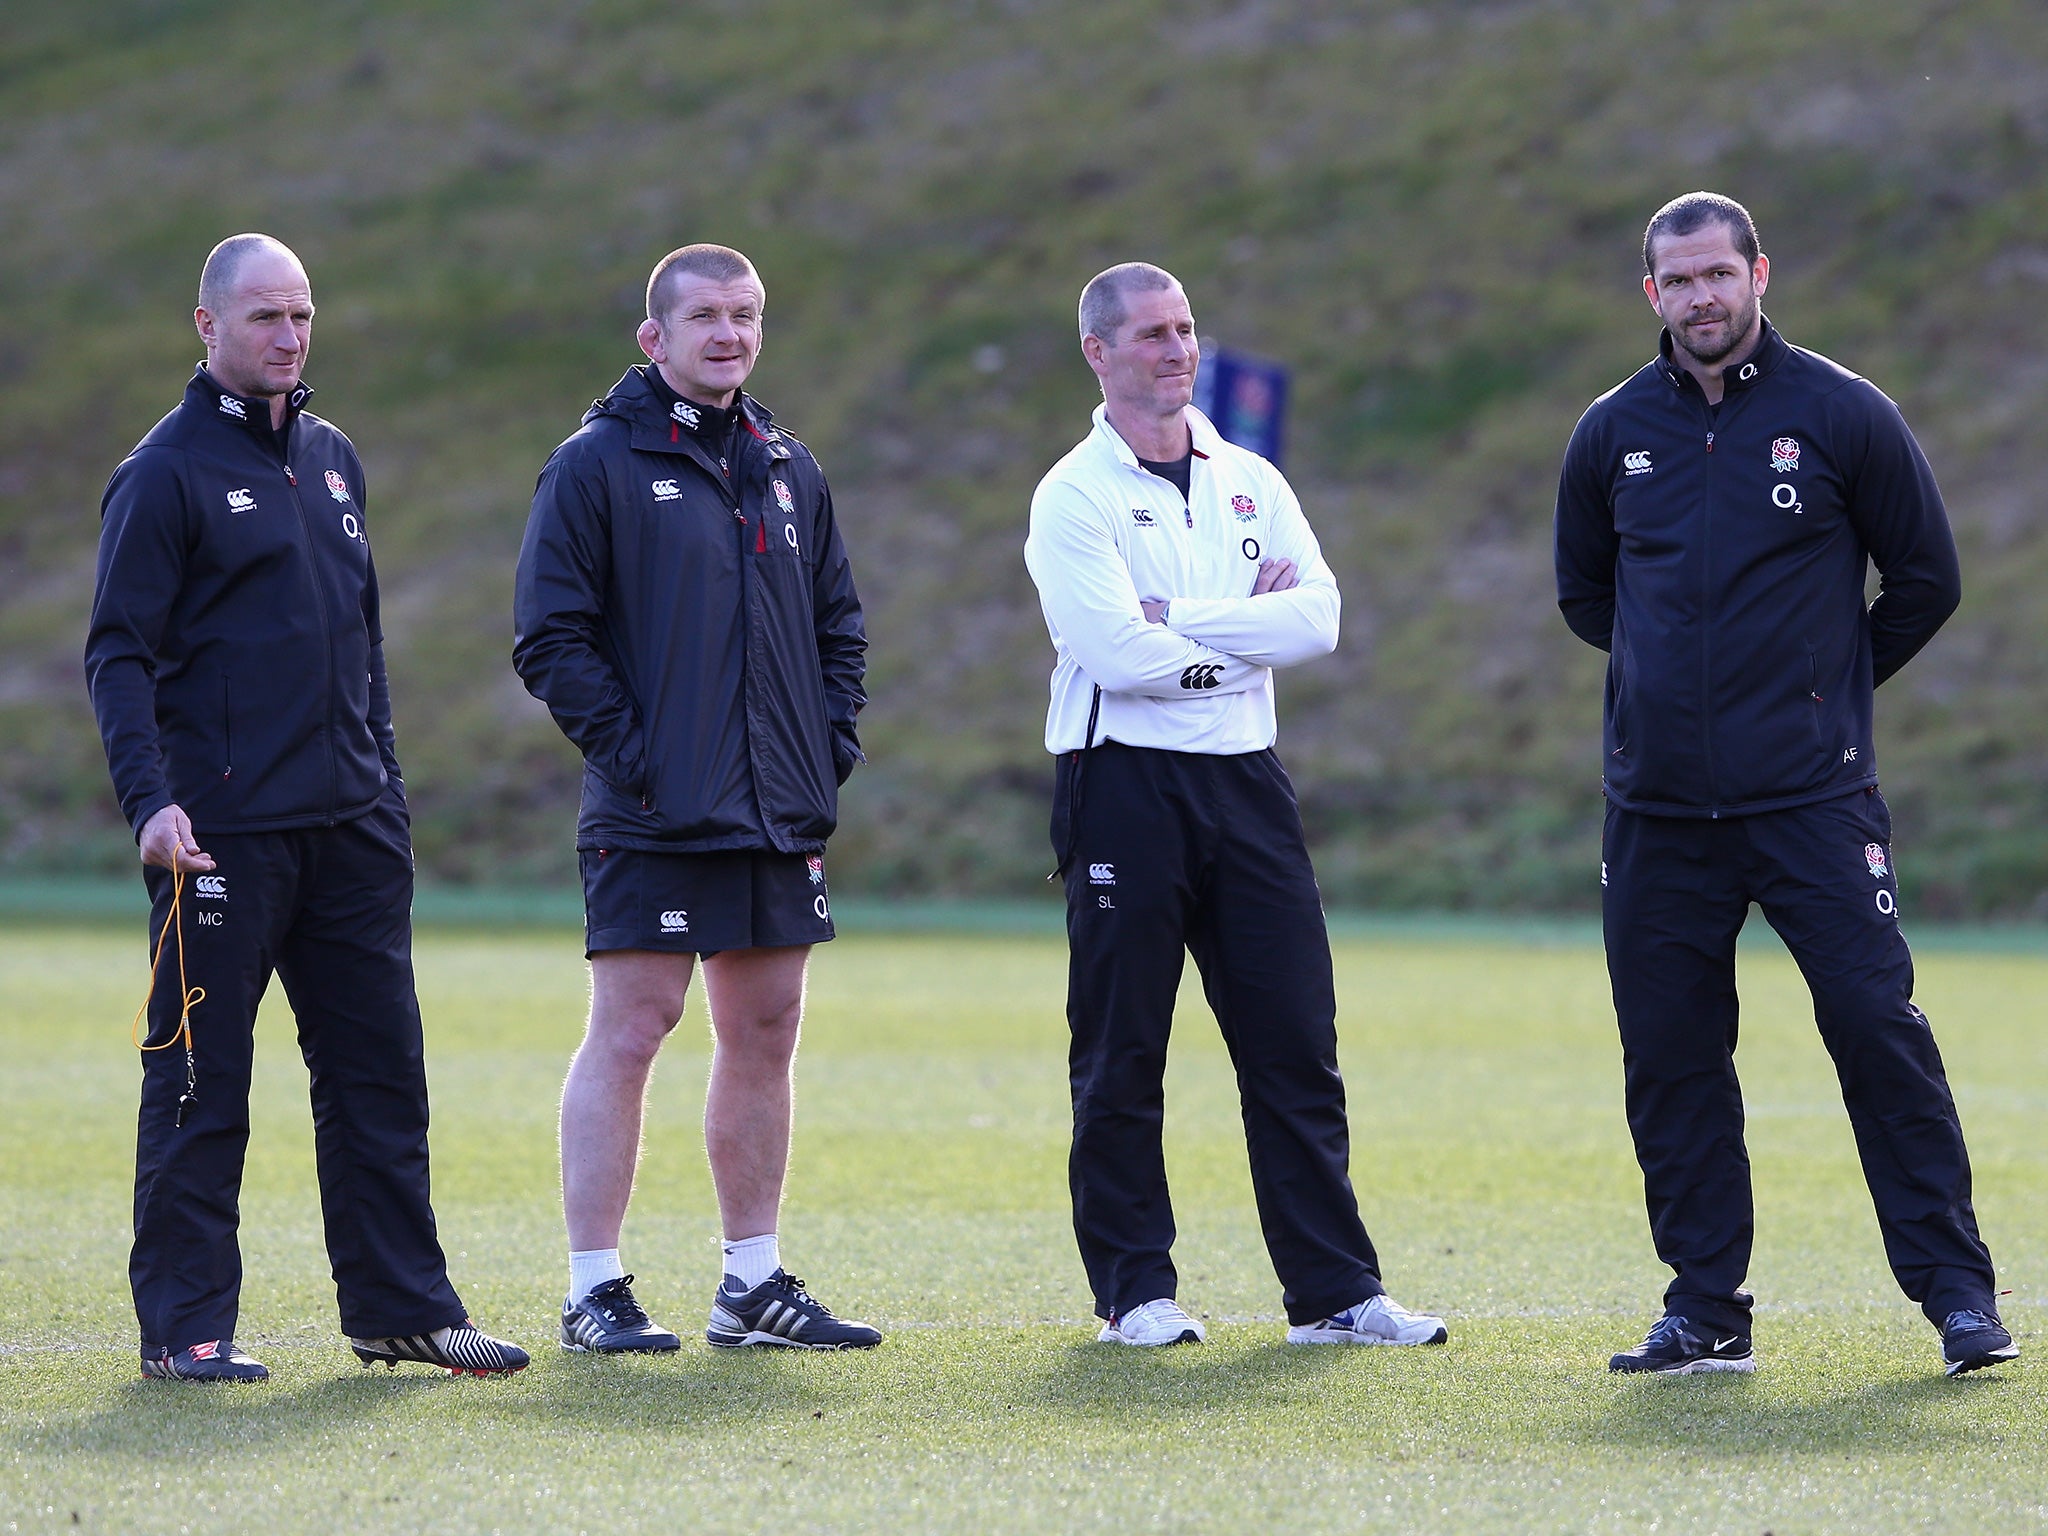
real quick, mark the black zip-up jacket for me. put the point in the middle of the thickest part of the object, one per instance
(685, 609)
(1720, 556)
(235, 655)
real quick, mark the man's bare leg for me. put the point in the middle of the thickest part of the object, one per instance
(757, 1004)
(636, 997)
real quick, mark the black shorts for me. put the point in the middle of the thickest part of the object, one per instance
(702, 903)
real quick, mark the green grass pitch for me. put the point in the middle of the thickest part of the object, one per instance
(928, 1194)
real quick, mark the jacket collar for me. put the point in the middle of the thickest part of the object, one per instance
(1202, 434)
(1771, 350)
(205, 394)
(660, 421)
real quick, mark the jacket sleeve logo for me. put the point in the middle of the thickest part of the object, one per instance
(1785, 455)
(1203, 674)
(666, 490)
(1637, 463)
(241, 501)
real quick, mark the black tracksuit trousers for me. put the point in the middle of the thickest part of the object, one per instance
(1676, 894)
(1168, 853)
(329, 909)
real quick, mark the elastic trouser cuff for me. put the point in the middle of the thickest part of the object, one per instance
(1329, 1303)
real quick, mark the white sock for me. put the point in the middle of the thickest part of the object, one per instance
(750, 1260)
(590, 1269)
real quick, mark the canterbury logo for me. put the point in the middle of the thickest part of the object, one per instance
(212, 887)
(686, 413)
(1635, 463)
(1203, 674)
(241, 501)
(1102, 874)
(675, 922)
(230, 406)
(666, 490)
(1142, 516)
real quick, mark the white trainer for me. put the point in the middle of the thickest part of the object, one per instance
(1156, 1322)
(1377, 1320)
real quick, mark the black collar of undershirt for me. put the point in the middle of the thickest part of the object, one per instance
(1178, 473)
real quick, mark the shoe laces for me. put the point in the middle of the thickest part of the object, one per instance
(1666, 1329)
(795, 1287)
(615, 1299)
(1969, 1317)
(1165, 1310)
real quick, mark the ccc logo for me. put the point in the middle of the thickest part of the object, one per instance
(1636, 463)
(1203, 674)
(1102, 874)
(214, 886)
(675, 922)
(666, 490)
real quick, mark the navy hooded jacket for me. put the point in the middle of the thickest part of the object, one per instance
(685, 609)
(1720, 556)
(235, 655)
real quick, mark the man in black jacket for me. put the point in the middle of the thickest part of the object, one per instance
(237, 668)
(685, 609)
(1716, 516)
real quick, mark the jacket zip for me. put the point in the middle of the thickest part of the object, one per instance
(1706, 625)
(326, 637)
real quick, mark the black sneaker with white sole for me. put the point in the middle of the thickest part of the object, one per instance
(214, 1360)
(1676, 1347)
(611, 1321)
(780, 1311)
(464, 1349)
(1972, 1340)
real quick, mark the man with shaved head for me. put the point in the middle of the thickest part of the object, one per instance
(685, 609)
(1176, 572)
(237, 668)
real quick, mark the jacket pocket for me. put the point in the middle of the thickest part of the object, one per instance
(1814, 701)
(1617, 713)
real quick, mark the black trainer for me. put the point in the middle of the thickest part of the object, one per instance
(215, 1360)
(1676, 1348)
(610, 1321)
(464, 1349)
(780, 1311)
(1972, 1340)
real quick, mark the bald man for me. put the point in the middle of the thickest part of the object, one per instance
(237, 668)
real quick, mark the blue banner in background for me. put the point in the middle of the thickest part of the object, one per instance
(1246, 398)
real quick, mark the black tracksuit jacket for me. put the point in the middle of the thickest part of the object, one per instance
(235, 655)
(1720, 556)
(692, 626)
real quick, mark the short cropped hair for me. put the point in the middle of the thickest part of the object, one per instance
(1686, 215)
(224, 264)
(1102, 301)
(720, 263)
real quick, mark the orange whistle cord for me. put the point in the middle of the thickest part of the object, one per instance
(188, 996)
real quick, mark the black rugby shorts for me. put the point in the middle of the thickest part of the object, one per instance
(702, 903)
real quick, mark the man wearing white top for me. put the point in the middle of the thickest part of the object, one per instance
(1176, 571)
